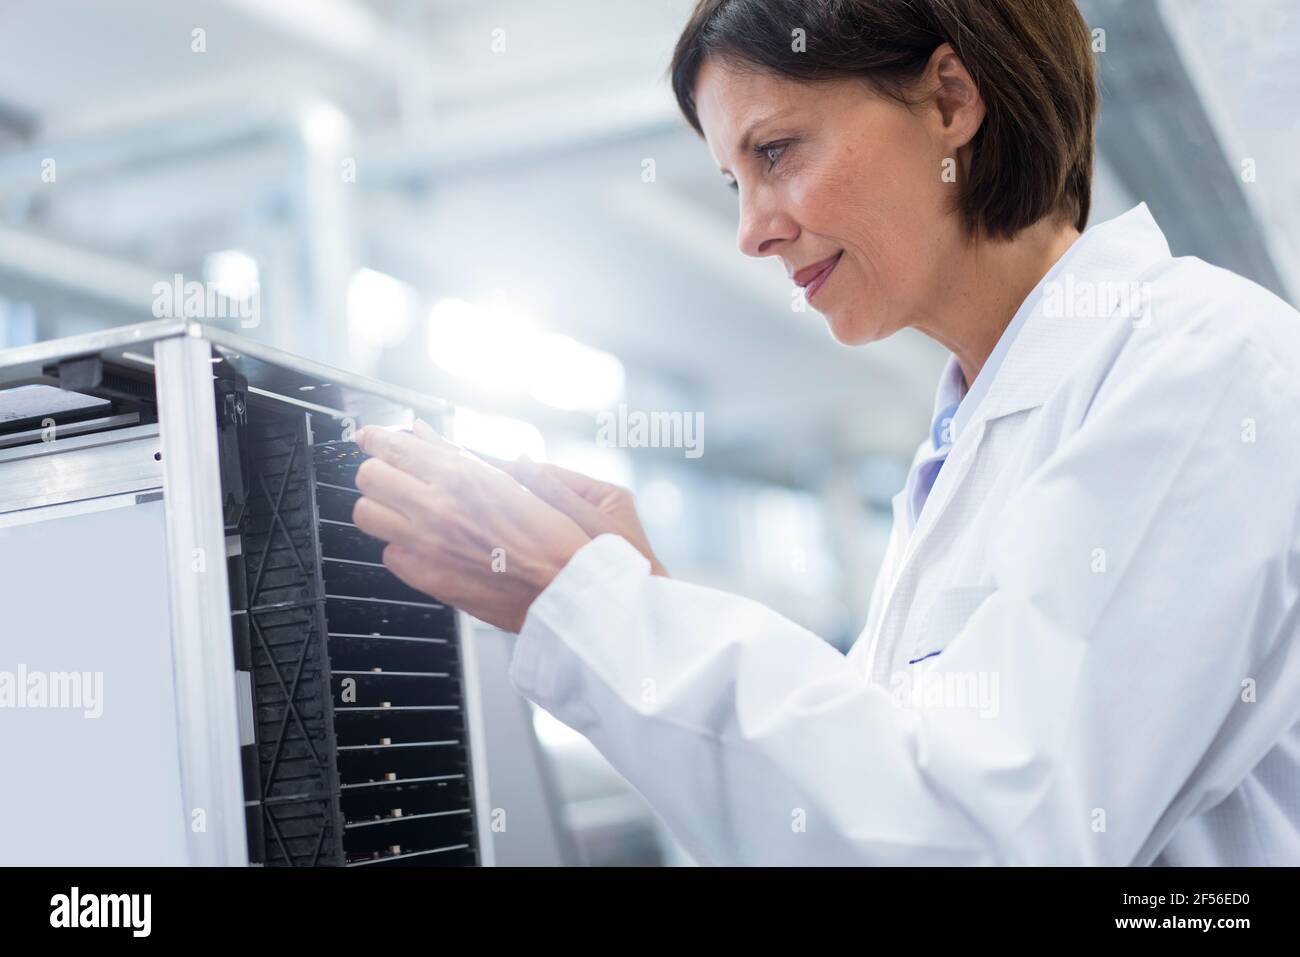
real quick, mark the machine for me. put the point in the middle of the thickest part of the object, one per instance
(203, 660)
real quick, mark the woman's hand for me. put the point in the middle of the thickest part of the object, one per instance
(459, 529)
(597, 507)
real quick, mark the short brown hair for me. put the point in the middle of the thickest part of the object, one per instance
(1031, 60)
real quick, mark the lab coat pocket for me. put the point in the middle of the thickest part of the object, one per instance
(944, 619)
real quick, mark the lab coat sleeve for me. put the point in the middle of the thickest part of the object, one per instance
(754, 740)
(1142, 580)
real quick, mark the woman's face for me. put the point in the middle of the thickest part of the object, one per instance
(844, 185)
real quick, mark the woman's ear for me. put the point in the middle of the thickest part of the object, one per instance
(957, 101)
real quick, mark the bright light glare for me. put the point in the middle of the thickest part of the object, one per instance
(487, 346)
(553, 733)
(380, 308)
(570, 375)
(498, 435)
(233, 273)
(500, 350)
(324, 126)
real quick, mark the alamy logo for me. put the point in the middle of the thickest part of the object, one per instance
(928, 689)
(1071, 298)
(66, 690)
(656, 430)
(207, 301)
(103, 910)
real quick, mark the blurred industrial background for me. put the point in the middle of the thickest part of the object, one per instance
(495, 201)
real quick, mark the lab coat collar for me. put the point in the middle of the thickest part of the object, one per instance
(1035, 362)
(1039, 350)
(1108, 255)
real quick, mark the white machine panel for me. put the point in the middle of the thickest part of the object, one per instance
(85, 615)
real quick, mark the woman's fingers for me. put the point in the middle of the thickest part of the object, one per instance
(413, 569)
(445, 515)
(378, 520)
(582, 484)
(423, 459)
(557, 494)
(391, 486)
(505, 465)
(427, 432)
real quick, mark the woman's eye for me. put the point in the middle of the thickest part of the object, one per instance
(772, 153)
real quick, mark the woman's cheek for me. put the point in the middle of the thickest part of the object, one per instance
(816, 194)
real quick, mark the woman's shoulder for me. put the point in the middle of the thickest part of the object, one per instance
(1203, 341)
(1187, 298)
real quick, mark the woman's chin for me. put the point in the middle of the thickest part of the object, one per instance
(855, 330)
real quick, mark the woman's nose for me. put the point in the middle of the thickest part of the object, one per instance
(764, 228)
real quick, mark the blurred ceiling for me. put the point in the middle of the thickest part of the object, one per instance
(500, 144)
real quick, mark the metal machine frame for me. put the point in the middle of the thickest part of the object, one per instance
(119, 461)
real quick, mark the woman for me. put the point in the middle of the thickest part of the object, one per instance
(1082, 645)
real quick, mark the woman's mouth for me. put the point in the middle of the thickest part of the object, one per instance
(813, 277)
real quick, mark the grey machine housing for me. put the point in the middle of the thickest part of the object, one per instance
(203, 661)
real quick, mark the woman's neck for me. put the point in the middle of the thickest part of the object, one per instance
(990, 281)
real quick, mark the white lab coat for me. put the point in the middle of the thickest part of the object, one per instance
(1087, 651)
